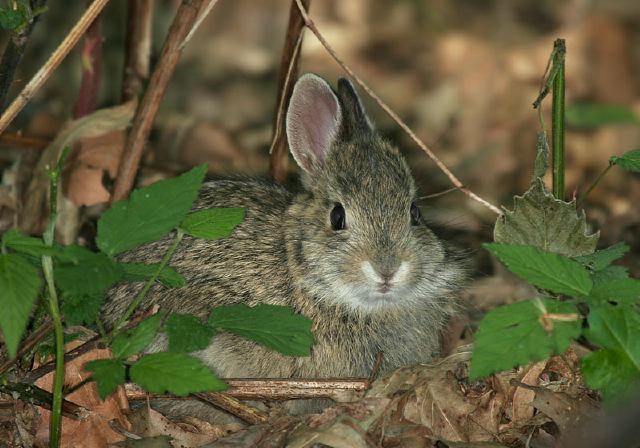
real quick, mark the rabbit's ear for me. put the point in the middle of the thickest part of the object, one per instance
(355, 118)
(313, 121)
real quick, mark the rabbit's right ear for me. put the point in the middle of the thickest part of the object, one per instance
(313, 121)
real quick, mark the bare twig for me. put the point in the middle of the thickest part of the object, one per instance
(202, 14)
(40, 397)
(184, 20)
(454, 180)
(249, 414)
(54, 60)
(28, 344)
(13, 53)
(138, 48)
(288, 74)
(91, 71)
(23, 141)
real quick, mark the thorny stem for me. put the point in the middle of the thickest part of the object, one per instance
(557, 120)
(454, 180)
(54, 309)
(593, 185)
(140, 296)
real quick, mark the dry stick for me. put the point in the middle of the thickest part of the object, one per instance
(249, 414)
(28, 344)
(87, 98)
(56, 58)
(184, 20)
(138, 48)
(43, 398)
(454, 180)
(288, 72)
(24, 141)
(13, 53)
(202, 14)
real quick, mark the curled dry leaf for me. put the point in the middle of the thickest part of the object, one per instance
(95, 430)
(521, 402)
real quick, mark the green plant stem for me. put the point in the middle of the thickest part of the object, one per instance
(48, 236)
(593, 185)
(143, 292)
(557, 120)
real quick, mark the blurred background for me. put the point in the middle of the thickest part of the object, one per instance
(462, 73)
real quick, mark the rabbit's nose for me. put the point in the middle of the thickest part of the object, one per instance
(386, 268)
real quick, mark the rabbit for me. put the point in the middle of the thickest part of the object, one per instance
(350, 250)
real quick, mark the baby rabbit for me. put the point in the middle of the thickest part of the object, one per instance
(350, 251)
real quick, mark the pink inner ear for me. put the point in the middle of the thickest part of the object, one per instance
(313, 121)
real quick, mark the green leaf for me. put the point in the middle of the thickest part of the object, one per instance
(629, 161)
(29, 245)
(176, 373)
(93, 274)
(538, 219)
(592, 115)
(187, 333)
(137, 339)
(10, 19)
(169, 277)
(545, 270)
(609, 273)
(275, 327)
(514, 335)
(19, 287)
(624, 291)
(108, 375)
(149, 213)
(600, 259)
(81, 309)
(213, 223)
(615, 369)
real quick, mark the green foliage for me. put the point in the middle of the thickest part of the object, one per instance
(539, 219)
(10, 19)
(19, 284)
(526, 331)
(545, 270)
(136, 272)
(133, 341)
(187, 333)
(176, 373)
(108, 375)
(593, 115)
(601, 259)
(213, 223)
(629, 161)
(624, 291)
(275, 327)
(609, 273)
(72, 278)
(81, 309)
(615, 369)
(149, 213)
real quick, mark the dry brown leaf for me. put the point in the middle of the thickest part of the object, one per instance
(566, 411)
(95, 430)
(521, 401)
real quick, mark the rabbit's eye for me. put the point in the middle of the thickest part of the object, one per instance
(415, 214)
(338, 217)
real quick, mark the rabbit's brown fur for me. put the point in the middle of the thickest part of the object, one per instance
(287, 253)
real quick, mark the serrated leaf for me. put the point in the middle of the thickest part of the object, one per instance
(19, 287)
(615, 369)
(623, 291)
(538, 219)
(176, 373)
(10, 19)
(600, 259)
(592, 115)
(545, 270)
(169, 277)
(213, 223)
(149, 213)
(93, 274)
(29, 245)
(524, 332)
(275, 327)
(81, 309)
(187, 333)
(137, 339)
(629, 161)
(108, 375)
(608, 274)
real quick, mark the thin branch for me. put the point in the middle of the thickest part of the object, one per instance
(40, 397)
(454, 180)
(288, 72)
(202, 14)
(27, 345)
(13, 53)
(91, 63)
(138, 48)
(249, 414)
(23, 141)
(184, 20)
(49, 67)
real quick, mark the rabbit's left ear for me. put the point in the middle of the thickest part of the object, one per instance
(314, 119)
(356, 120)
